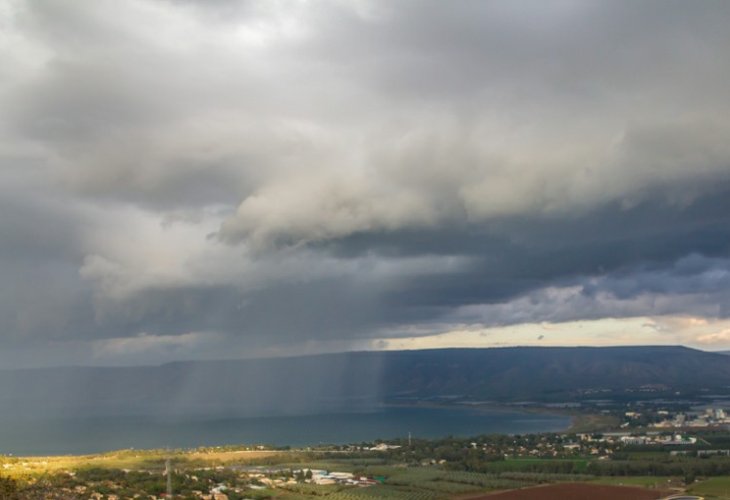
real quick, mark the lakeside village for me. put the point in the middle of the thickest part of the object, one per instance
(483, 461)
(658, 417)
(656, 414)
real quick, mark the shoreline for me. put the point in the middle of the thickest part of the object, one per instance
(579, 422)
(498, 419)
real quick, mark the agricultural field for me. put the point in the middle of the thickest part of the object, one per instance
(530, 464)
(417, 483)
(578, 491)
(712, 488)
(641, 481)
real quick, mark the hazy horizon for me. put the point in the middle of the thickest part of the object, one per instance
(334, 353)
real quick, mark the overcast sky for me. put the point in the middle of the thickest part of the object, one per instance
(222, 179)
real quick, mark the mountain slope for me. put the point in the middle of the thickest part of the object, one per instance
(361, 380)
(537, 373)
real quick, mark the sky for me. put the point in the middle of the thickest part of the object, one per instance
(232, 179)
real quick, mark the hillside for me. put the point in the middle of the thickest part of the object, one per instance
(543, 373)
(362, 380)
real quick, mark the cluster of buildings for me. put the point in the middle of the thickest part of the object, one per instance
(673, 440)
(550, 446)
(344, 478)
(383, 447)
(709, 418)
(600, 445)
(264, 478)
(605, 444)
(274, 478)
(666, 419)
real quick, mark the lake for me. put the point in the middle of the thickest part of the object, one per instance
(56, 436)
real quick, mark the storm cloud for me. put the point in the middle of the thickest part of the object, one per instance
(183, 179)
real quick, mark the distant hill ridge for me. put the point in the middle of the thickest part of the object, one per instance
(361, 380)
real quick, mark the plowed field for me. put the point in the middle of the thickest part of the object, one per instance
(578, 491)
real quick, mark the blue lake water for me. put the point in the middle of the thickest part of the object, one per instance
(52, 436)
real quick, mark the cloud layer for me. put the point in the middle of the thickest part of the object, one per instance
(242, 177)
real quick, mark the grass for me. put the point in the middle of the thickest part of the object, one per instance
(523, 464)
(592, 422)
(647, 455)
(642, 481)
(714, 487)
(125, 459)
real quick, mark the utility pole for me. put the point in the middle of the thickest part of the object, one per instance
(168, 473)
(409, 439)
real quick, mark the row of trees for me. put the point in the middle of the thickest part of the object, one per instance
(685, 467)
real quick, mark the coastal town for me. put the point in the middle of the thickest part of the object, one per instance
(679, 460)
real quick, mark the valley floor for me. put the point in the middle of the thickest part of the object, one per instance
(239, 473)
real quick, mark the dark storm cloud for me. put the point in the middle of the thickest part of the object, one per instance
(277, 173)
(228, 309)
(515, 255)
(40, 296)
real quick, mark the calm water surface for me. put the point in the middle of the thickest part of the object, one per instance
(88, 435)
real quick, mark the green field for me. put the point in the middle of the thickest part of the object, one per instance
(714, 487)
(642, 481)
(526, 464)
